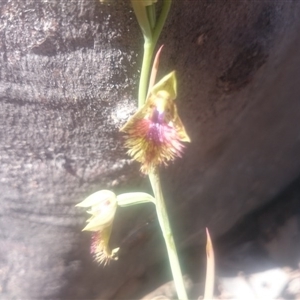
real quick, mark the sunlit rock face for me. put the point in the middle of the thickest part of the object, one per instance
(69, 74)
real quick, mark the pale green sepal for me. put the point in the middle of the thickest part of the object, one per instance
(97, 223)
(168, 84)
(96, 198)
(128, 199)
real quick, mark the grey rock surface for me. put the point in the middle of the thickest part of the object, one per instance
(68, 81)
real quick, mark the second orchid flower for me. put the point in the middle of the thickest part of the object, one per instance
(102, 207)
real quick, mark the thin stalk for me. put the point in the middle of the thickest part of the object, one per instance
(144, 79)
(140, 11)
(167, 234)
(149, 45)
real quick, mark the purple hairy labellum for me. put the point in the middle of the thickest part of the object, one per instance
(155, 132)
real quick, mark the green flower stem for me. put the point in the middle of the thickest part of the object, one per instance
(144, 79)
(145, 19)
(167, 234)
(151, 28)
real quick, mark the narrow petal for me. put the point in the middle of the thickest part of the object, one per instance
(98, 222)
(97, 198)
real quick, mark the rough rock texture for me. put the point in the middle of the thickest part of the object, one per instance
(69, 72)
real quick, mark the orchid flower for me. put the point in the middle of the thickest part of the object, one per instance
(155, 132)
